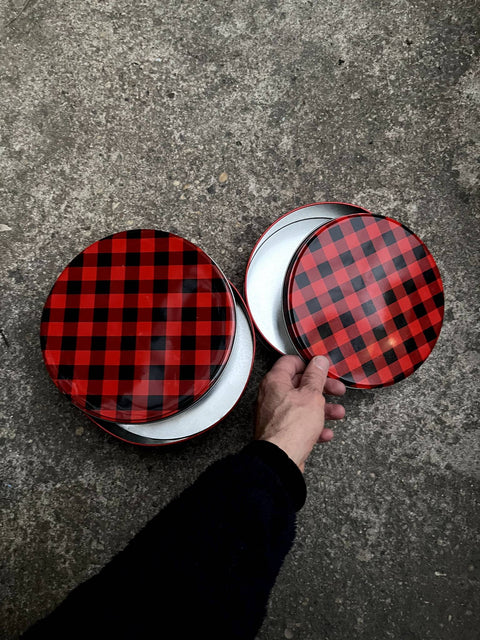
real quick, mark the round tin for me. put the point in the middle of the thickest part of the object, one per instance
(269, 262)
(138, 327)
(212, 407)
(366, 292)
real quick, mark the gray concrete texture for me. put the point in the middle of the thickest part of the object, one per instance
(118, 115)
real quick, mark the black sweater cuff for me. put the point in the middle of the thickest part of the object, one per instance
(286, 470)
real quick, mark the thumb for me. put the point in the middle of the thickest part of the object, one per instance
(315, 375)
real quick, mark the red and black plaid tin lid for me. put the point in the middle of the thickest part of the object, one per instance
(366, 292)
(138, 326)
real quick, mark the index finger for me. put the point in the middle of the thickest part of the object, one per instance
(287, 367)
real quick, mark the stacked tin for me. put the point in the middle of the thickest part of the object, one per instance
(144, 334)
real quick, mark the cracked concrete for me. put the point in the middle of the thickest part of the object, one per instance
(117, 115)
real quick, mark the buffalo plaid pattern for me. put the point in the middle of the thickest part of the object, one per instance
(138, 326)
(366, 292)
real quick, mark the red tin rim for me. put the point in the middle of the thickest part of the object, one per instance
(305, 206)
(403, 323)
(105, 426)
(163, 292)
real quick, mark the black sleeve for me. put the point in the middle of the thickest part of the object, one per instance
(204, 565)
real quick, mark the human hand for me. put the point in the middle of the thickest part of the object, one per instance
(291, 407)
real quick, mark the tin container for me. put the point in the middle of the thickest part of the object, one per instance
(139, 328)
(361, 289)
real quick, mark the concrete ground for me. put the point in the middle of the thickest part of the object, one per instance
(118, 115)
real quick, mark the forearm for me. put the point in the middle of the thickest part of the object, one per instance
(207, 562)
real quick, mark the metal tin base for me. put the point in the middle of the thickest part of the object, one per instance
(269, 262)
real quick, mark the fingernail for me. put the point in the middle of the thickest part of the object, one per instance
(321, 362)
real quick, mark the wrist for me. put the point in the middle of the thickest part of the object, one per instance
(287, 471)
(288, 446)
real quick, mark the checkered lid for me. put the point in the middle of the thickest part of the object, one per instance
(366, 292)
(138, 326)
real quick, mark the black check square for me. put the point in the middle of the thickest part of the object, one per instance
(126, 372)
(429, 334)
(410, 345)
(325, 330)
(217, 343)
(388, 238)
(400, 321)
(158, 343)
(379, 273)
(368, 308)
(379, 332)
(324, 269)
(313, 305)
(190, 258)
(156, 372)
(336, 233)
(419, 252)
(347, 258)
(389, 297)
(336, 355)
(368, 247)
(187, 372)
(155, 403)
(390, 356)
(65, 372)
(131, 286)
(98, 343)
(161, 259)
(104, 260)
(71, 315)
(93, 402)
(129, 314)
(438, 300)
(399, 262)
(159, 314)
(96, 372)
(419, 310)
(369, 368)
(190, 286)
(347, 319)
(102, 287)
(429, 276)
(100, 314)
(302, 280)
(69, 343)
(189, 314)
(132, 259)
(336, 294)
(128, 343)
(358, 283)
(358, 343)
(409, 286)
(188, 343)
(357, 223)
(74, 287)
